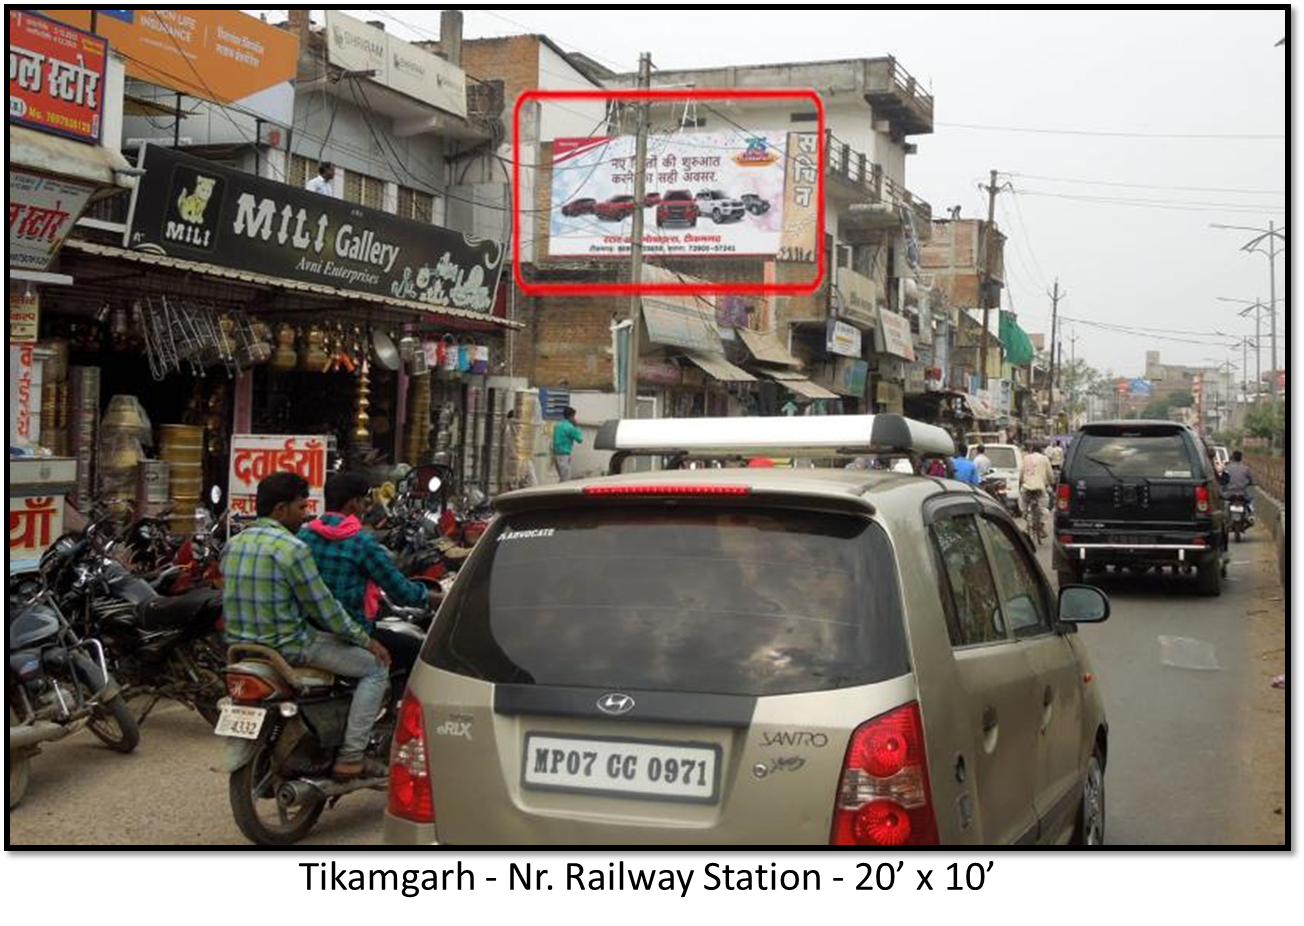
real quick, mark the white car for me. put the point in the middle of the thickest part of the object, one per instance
(1007, 465)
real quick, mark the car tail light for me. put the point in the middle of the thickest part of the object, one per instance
(1066, 538)
(637, 490)
(1062, 494)
(1202, 499)
(243, 687)
(1199, 542)
(884, 798)
(410, 794)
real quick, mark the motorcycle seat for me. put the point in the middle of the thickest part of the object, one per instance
(300, 677)
(200, 606)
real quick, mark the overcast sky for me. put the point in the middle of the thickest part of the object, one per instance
(1157, 73)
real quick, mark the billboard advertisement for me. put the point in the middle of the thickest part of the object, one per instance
(56, 77)
(357, 46)
(708, 194)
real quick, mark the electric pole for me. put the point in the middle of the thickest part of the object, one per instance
(984, 290)
(644, 111)
(1272, 297)
(1055, 297)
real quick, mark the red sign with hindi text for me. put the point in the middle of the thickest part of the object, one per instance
(56, 77)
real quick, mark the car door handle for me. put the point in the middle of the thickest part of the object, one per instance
(991, 730)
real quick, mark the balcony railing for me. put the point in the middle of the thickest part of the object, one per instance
(854, 167)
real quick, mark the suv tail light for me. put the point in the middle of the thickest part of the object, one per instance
(1062, 496)
(410, 794)
(1202, 499)
(884, 798)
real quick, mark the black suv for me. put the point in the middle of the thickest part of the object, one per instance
(1141, 494)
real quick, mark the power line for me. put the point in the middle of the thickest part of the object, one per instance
(1126, 200)
(1110, 134)
(1148, 186)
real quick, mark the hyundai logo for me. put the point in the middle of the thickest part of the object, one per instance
(615, 704)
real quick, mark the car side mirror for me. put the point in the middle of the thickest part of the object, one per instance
(1082, 604)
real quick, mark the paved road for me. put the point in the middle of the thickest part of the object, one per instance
(1196, 752)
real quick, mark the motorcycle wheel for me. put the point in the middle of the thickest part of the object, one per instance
(1238, 536)
(256, 783)
(19, 768)
(208, 664)
(112, 722)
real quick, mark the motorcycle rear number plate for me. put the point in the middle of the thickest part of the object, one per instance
(644, 769)
(243, 722)
(1129, 539)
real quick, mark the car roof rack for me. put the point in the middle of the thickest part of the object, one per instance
(808, 436)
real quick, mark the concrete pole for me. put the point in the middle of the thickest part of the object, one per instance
(985, 277)
(636, 238)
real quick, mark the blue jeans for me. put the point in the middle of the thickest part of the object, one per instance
(352, 661)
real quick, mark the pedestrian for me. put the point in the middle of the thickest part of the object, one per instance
(273, 595)
(324, 182)
(981, 462)
(564, 438)
(356, 568)
(965, 471)
(1055, 453)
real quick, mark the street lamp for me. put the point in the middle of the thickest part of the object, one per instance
(1271, 235)
(1221, 401)
(1256, 307)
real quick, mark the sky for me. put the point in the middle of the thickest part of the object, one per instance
(1156, 265)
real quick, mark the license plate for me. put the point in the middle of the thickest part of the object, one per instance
(243, 722)
(1129, 539)
(648, 769)
(1237, 509)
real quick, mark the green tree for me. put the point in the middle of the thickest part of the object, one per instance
(1078, 380)
(1268, 421)
(1160, 407)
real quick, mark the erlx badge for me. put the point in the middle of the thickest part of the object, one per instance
(454, 728)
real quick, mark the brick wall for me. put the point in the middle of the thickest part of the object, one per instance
(513, 59)
(572, 340)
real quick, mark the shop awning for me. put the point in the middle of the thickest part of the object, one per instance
(766, 348)
(718, 368)
(795, 382)
(259, 279)
(67, 158)
(676, 321)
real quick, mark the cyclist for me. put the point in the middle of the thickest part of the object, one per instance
(1036, 481)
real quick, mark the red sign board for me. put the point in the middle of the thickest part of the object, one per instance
(56, 77)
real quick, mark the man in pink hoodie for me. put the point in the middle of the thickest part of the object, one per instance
(355, 567)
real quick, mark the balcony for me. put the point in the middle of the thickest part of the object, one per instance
(897, 96)
(873, 200)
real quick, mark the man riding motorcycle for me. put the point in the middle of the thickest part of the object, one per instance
(354, 565)
(1237, 479)
(274, 595)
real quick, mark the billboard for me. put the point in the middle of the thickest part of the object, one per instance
(220, 55)
(712, 194)
(356, 46)
(56, 77)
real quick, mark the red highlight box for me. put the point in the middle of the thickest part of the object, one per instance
(802, 288)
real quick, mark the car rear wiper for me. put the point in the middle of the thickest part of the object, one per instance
(1107, 467)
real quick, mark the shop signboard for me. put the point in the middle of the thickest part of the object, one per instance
(24, 315)
(800, 208)
(56, 77)
(42, 211)
(220, 55)
(733, 311)
(254, 457)
(915, 379)
(198, 210)
(659, 372)
(356, 46)
(848, 377)
(842, 339)
(897, 339)
(858, 300)
(24, 396)
(889, 395)
(1140, 387)
(35, 522)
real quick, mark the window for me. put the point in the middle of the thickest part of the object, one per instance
(1132, 454)
(373, 193)
(745, 601)
(803, 117)
(352, 187)
(299, 170)
(1023, 596)
(415, 204)
(974, 613)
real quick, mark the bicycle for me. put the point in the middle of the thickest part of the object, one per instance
(1034, 516)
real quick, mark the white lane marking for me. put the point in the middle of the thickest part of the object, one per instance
(1188, 653)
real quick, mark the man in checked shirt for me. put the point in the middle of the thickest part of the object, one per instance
(274, 595)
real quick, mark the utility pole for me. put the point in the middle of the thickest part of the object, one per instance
(644, 111)
(986, 276)
(1272, 298)
(1055, 298)
(1077, 381)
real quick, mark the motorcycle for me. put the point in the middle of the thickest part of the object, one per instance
(157, 646)
(57, 682)
(999, 489)
(1239, 516)
(282, 725)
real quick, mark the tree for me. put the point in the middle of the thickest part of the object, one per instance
(1267, 421)
(1160, 407)
(1078, 380)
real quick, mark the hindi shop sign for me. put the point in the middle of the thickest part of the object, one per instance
(24, 315)
(897, 339)
(254, 457)
(56, 77)
(34, 524)
(843, 339)
(42, 211)
(195, 209)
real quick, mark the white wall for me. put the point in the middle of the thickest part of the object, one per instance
(572, 118)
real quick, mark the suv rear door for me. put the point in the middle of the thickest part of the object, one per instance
(659, 673)
(1134, 476)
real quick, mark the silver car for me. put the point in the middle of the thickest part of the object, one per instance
(754, 656)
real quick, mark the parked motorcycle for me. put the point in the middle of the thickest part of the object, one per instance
(1239, 514)
(999, 489)
(283, 725)
(157, 646)
(57, 682)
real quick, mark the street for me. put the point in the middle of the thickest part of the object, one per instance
(1197, 736)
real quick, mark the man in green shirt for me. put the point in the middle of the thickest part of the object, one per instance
(274, 595)
(564, 438)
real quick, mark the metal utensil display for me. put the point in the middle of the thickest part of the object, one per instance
(386, 353)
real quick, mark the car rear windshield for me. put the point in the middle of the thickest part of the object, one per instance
(1002, 457)
(728, 601)
(679, 195)
(1133, 454)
